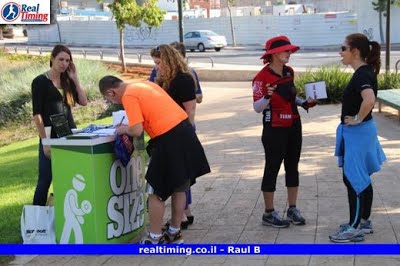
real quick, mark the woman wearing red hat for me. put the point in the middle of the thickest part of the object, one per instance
(274, 94)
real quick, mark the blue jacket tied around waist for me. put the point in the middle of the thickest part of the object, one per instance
(358, 149)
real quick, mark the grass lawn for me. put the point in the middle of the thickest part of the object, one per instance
(18, 174)
(18, 177)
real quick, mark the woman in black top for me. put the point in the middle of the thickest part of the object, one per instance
(357, 146)
(174, 76)
(53, 92)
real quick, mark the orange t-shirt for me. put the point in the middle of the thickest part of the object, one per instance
(146, 102)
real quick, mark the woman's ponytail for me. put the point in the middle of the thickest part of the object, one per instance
(374, 56)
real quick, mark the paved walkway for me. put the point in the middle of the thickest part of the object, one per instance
(228, 204)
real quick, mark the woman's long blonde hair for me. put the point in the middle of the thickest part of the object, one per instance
(173, 63)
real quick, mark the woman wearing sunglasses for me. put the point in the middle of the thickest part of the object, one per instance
(357, 147)
(274, 94)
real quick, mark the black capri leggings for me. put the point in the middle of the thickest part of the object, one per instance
(281, 144)
(360, 206)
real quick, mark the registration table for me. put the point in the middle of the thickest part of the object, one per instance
(96, 199)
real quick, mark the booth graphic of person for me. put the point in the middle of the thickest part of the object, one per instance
(11, 12)
(73, 214)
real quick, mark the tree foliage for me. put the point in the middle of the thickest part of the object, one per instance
(152, 14)
(130, 12)
(126, 12)
(135, 13)
(381, 7)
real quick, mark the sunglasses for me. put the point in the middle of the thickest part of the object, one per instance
(344, 48)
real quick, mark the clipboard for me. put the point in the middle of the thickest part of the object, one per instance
(82, 136)
(315, 90)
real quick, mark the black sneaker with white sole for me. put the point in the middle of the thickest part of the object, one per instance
(293, 214)
(273, 219)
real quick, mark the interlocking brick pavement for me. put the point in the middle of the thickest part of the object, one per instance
(228, 204)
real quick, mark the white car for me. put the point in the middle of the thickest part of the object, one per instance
(204, 39)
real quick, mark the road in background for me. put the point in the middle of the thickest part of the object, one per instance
(316, 57)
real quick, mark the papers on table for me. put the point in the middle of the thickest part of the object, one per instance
(82, 136)
(105, 131)
(316, 90)
(120, 117)
(76, 130)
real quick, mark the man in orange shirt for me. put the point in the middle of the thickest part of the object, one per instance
(177, 156)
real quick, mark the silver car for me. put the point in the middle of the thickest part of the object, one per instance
(204, 39)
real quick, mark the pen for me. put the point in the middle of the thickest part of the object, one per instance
(120, 123)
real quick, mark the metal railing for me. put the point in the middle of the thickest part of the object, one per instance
(397, 65)
(139, 56)
(211, 59)
(101, 53)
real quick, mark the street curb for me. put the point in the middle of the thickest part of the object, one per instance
(218, 75)
(213, 74)
(226, 74)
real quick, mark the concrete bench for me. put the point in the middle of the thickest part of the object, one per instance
(390, 98)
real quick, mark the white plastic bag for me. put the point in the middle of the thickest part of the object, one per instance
(37, 225)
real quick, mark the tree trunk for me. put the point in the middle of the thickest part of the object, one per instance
(231, 21)
(380, 27)
(122, 49)
(1, 34)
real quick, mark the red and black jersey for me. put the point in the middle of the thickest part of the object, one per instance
(282, 108)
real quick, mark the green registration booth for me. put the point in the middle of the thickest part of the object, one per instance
(96, 199)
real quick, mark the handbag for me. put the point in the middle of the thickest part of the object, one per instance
(60, 125)
(123, 148)
(37, 224)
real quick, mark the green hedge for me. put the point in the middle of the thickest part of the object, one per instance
(336, 79)
(389, 81)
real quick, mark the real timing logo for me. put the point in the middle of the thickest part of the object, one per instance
(10, 12)
(34, 12)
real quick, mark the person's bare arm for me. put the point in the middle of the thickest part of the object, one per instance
(190, 108)
(367, 105)
(38, 120)
(133, 131)
(199, 98)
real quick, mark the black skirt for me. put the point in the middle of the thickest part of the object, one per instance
(176, 156)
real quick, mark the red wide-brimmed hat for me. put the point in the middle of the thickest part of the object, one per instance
(278, 44)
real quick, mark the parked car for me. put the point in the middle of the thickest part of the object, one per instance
(204, 39)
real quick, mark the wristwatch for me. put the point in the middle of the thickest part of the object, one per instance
(355, 118)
